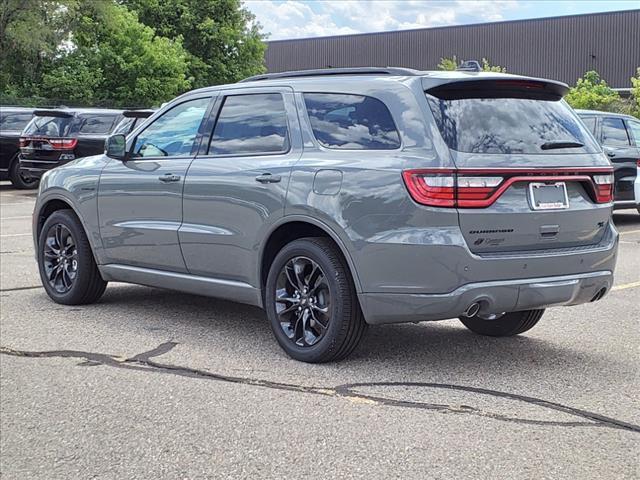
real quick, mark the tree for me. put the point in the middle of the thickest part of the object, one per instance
(592, 93)
(451, 63)
(635, 94)
(223, 41)
(117, 60)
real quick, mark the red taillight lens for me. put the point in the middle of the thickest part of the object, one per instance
(434, 188)
(604, 187)
(63, 143)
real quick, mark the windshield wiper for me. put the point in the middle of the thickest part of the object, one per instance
(554, 145)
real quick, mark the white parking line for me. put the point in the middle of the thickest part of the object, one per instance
(629, 232)
(15, 235)
(13, 218)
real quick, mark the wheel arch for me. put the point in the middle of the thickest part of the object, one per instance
(292, 228)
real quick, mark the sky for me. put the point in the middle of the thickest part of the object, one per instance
(286, 19)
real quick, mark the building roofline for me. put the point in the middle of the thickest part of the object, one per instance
(467, 25)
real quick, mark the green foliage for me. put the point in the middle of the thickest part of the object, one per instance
(221, 37)
(635, 94)
(592, 93)
(98, 52)
(448, 64)
(451, 63)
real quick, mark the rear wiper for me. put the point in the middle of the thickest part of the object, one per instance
(554, 145)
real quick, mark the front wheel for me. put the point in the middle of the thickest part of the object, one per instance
(507, 325)
(311, 302)
(67, 268)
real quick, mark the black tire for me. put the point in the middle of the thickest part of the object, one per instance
(82, 283)
(512, 323)
(20, 182)
(345, 324)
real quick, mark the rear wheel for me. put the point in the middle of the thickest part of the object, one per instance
(311, 302)
(20, 181)
(507, 325)
(67, 268)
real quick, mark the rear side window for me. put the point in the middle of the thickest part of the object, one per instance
(508, 125)
(351, 122)
(14, 121)
(251, 124)
(614, 134)
(49, 126)
(96, 124)
(634, 128)
(125, 126)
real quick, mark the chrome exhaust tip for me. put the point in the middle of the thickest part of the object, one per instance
(472, 310)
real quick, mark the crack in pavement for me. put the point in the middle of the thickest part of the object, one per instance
(143, 362)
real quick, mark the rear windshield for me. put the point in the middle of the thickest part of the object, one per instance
(14, 121)
(509, 125)
(49, 126)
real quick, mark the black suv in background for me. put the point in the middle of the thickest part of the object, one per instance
(12, 122)
(56, 136)
(619, 136)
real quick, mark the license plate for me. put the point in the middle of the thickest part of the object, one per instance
(548, 196)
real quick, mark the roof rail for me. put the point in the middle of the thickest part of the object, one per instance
(400, 71)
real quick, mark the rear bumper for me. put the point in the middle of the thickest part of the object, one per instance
(493, 297)
(36, 168)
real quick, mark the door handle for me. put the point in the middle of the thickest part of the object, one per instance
(169, 177)
(611, 154)
(268, 178)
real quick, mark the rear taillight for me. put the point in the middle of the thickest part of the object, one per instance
(466, 188)
(63, 143)
(23, 142)
(604, 187)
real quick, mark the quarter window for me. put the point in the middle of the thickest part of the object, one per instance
(251, 124)
(590, 123)
(351, 122)
(613, 133)
(174, 133)
(634, 127)
(14, 121)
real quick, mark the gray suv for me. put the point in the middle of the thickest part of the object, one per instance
(340, 198)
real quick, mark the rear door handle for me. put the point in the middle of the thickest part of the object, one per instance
(268, 178)
(169, 177)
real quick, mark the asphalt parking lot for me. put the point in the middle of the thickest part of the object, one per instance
(157, 384)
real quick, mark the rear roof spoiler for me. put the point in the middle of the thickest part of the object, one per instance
(145, 113)
(53, 113)
(495, 87)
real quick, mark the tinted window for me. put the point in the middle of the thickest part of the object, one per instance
(634, 128)
(613, 133)
(98, 124)
(590, 123)
(14, 121)
(251, 124)
(173, 133)
(351, 122)
(508, 125)
(125, 126)
(49, 126)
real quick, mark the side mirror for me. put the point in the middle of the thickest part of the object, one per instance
(115, 146)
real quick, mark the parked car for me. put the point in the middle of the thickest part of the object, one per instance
(340, 198)
(619, 136)
(56, 136)
(132, 118)
(12, 121)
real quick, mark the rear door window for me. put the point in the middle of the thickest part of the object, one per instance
(590, 123)
(614, 133)
(509, 125)
(96, 124)
(634, 129)
(351, 122)
(251, 124)
(14, 121)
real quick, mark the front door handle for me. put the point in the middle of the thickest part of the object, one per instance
(268, 178)
(611, 154)
(169, 177)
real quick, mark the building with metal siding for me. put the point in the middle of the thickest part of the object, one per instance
(561, 48)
